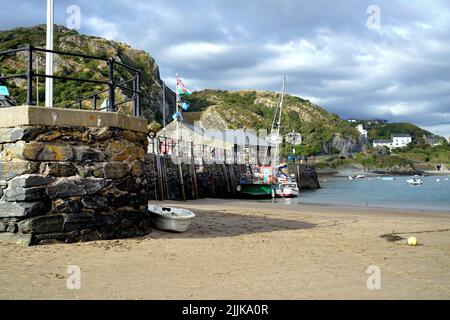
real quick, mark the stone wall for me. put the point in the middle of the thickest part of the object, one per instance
(208, 181)
(72, 183)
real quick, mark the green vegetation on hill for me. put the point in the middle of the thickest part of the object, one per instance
(426, 153)
(255, 110)
(384, 131)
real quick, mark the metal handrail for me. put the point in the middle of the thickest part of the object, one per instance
(111, 83)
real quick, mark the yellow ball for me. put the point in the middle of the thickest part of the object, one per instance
(412, 241)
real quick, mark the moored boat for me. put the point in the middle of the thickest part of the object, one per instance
(415, 181)
(287, 190)
(254, 190)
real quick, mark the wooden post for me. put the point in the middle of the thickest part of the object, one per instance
(194, 180)
(226, 178)
(232, 179)
(180, 174)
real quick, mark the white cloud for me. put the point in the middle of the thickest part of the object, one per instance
(103, 28)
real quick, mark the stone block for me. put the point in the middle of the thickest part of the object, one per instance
(94, 202)
(129, 185)
(30, 180)
(65, 189)
(12, 169)
(124, 151)
(59, 169)
(22, 209)
(52, 223)
(137, 168)
(87, 154)
(37, 151)
(66, 206)
(115, 170)
(20, 194)
(16, 238)
(78, 222)
(11, 135)
(75, 188)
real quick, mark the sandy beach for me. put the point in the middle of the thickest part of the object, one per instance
(247, 250)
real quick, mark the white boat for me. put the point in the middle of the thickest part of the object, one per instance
(287, 190)
(351, 177)
(170, 219)
(414, 181)
(360, 176)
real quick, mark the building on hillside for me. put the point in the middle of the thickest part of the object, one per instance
(398, 140)
(362, 131)
(434, 140)
(240, 146)
(368, 122)
(382, 143)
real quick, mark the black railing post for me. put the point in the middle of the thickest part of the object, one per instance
(112, 98)
(30, 76)
(95, 102)
(137, 100)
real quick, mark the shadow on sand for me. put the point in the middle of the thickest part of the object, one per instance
(213, 224)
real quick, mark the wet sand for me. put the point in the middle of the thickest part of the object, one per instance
(247, 250)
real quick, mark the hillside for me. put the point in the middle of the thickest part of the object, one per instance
(384, 131)
(322, 131)
(72, 41)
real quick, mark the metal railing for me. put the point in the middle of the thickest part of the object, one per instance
(110, 82)
(201, 153)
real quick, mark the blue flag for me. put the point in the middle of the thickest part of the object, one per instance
(185, 106)
(4, 91)
(177, 116)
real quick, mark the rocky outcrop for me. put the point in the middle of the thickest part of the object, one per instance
(346, 145)
(72, 183)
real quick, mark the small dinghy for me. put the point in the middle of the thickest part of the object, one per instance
(170, 219)
(415, 182)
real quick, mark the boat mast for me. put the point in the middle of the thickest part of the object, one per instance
(277, 147)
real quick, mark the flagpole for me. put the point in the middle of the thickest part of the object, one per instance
(178, 122)
(49, 55)
(164, 109)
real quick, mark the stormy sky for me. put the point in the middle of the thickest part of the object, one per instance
(357, 58)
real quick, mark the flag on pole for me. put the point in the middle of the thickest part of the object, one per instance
(177, 116)
(185, 106)
(181, 88)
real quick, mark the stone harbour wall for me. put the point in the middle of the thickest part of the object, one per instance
(207, 181)
(72, 183)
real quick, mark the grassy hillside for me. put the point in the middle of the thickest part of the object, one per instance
(67, 92)
(384, 131)
(255, 110)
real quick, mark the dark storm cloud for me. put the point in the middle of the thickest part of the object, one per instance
(400, 72)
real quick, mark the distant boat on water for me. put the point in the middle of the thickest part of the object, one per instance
(359, 176)
(415, 181)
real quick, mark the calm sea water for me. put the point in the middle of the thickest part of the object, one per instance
(432, 195)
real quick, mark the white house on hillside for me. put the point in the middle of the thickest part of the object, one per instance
(361, 130)
(397, 141)
(401, 140)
